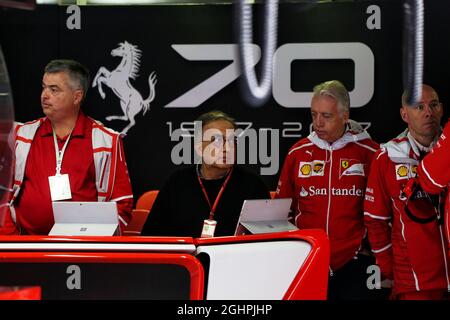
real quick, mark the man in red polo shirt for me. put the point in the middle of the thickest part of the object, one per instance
(65, 156)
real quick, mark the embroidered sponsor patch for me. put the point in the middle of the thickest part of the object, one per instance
(351, 167)
(304, 169)
(405, 171)
(344, 192)
(345, 164)
(318, 167)
(303, 193)
(413, 171)
(313, 168)
(402, 171)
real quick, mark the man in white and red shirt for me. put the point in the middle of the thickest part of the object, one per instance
(325, 174)
(92, 164)
(405, 231)
(434, 174)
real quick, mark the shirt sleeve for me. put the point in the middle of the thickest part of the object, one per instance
(285, 187)
(378, 214)
(122, 193)
(286, 184)
(7, 225)
(434, 170)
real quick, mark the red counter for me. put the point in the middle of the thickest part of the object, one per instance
(287, 265)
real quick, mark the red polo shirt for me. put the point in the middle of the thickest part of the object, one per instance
(34, 205)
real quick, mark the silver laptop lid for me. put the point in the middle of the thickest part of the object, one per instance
(264, 216)
(85, 218)
(265, 209)
(257, 227)
(85, 212)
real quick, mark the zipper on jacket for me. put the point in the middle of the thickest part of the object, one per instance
(329, 191)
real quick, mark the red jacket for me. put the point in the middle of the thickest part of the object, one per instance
(434, 173)
(327, 185)
(408, 250)
(111, 173)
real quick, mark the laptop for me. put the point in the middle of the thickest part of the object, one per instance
(84, 218)
(264, 216)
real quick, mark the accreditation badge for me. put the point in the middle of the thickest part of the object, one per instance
(209, 227)
(60, 187)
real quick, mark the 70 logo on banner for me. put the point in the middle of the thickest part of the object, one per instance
(361, 55)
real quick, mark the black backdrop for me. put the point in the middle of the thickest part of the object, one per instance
(30, 39)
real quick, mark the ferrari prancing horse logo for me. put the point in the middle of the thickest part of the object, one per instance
(344, 164)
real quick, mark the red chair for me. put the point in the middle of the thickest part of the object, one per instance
(140, 214)
(146, 200)
(138, 218)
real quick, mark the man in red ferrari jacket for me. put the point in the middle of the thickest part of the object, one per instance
(434, 174)
(64, 156)
(325, 174)
(406, 233)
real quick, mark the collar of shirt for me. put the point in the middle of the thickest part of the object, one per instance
(353, 132)
(419, 150)
(78, 131)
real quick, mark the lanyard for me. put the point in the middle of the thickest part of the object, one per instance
(60, 154)
(219, 195)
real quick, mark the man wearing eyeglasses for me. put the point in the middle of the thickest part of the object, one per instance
(405, 231)
(205, 200)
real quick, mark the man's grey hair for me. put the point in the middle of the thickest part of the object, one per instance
(336, 90)
(78, 74)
